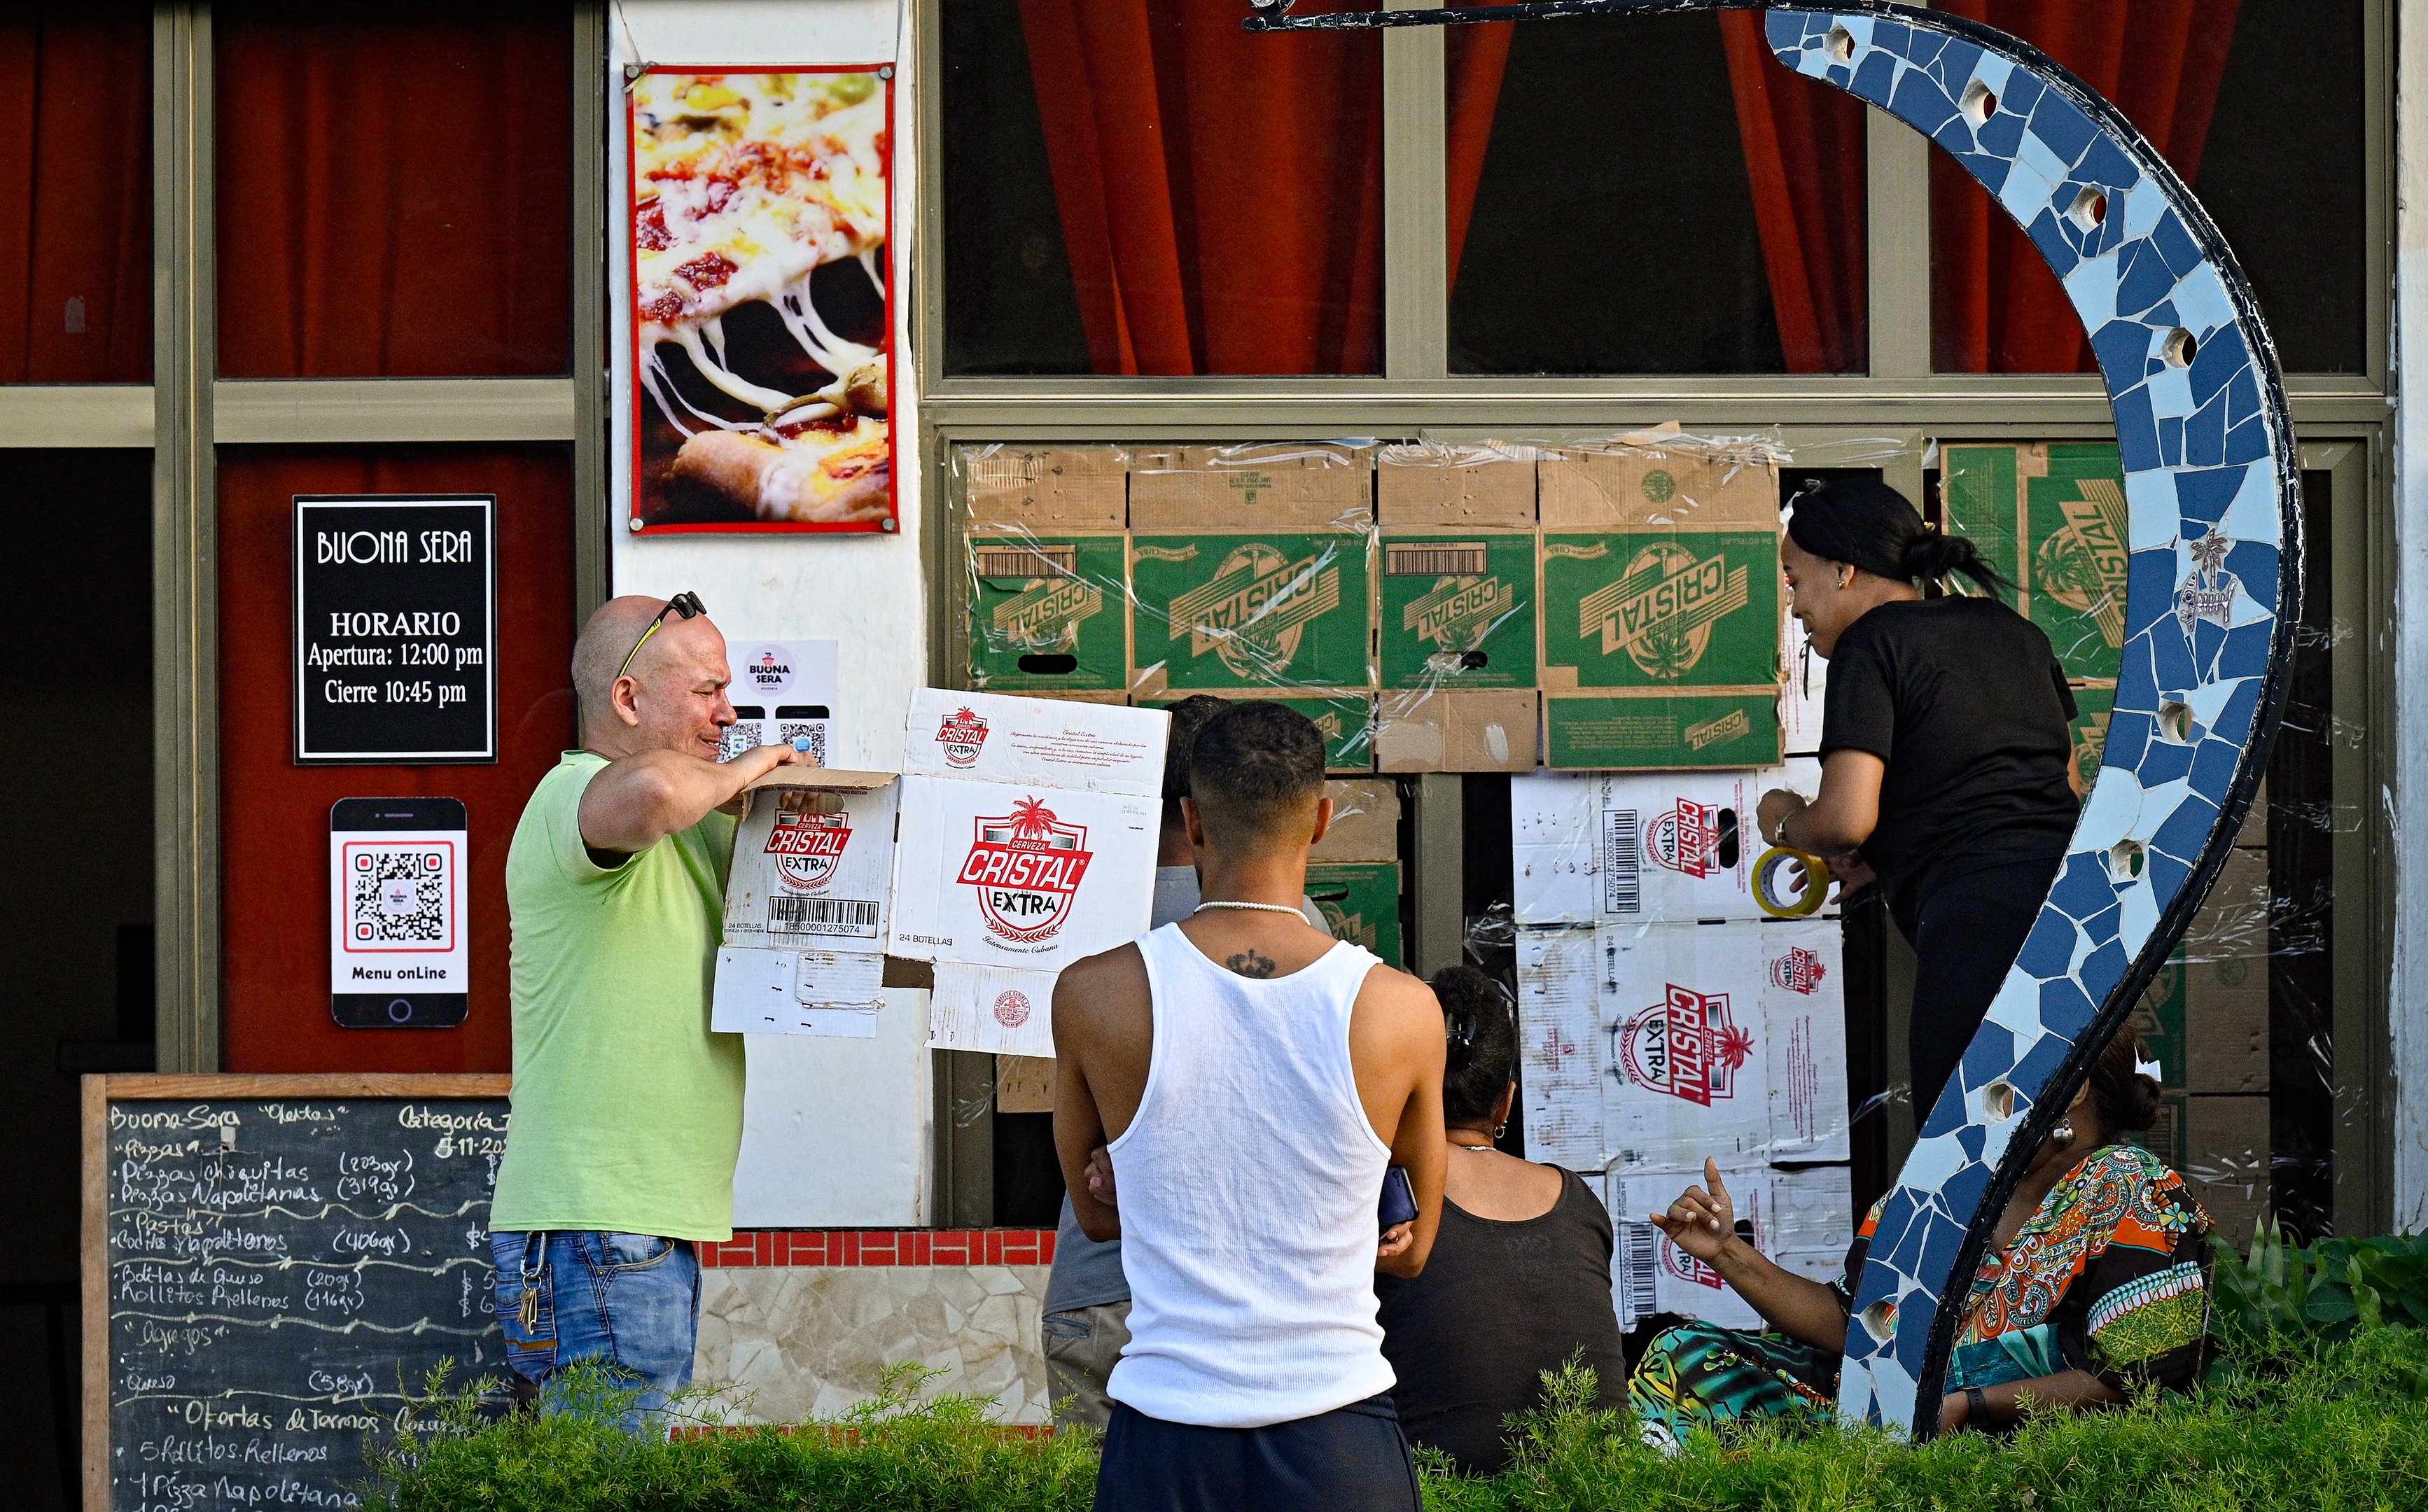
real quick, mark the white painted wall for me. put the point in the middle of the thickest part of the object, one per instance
(2408, 990)
(868, 592)
(835, 1132)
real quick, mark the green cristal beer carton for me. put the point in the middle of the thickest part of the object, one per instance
(1458, 609)
(1360, 900)
(1704, 729)
(2051, 518)
(1283, 610)
(1047, 614)
(1346, 721)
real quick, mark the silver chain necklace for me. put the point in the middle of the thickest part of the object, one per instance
(1260, 908)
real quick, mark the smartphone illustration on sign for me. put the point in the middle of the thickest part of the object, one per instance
(397, 953)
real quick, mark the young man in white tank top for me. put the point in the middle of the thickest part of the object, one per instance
(1253, 1080)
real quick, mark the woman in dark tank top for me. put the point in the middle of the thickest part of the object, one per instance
(1519, 1276)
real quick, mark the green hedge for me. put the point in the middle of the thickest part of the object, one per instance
(2319, 1400)
(2343, 1425)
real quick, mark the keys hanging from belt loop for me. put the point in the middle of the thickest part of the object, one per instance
(527, 1310)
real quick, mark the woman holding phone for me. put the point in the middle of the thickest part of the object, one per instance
(1946, 756)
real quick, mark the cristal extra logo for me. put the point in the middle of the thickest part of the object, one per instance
(807, 848)
(1458, 612)
(1688, 1045)
(1026, 866)
(1255, 611)
(963, 736)
(1661, 610)
(1046, 616)
(1799, 971)
(1686, 838)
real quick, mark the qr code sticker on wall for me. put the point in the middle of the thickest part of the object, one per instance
(400, 897)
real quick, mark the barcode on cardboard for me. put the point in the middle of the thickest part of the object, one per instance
(822, 915)
(1638, 1269)
(1026, 562)
(1434, 559)
(1622, 866)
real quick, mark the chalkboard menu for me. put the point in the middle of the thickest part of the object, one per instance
(273, 1265)
(396, 648)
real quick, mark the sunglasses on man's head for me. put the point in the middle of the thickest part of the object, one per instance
(682, 605)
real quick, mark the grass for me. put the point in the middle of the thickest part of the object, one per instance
(2336, 1424)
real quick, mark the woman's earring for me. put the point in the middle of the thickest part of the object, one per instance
(1501, 1132)
(2063, 1136)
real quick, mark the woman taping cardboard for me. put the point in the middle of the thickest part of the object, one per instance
(1946, 759)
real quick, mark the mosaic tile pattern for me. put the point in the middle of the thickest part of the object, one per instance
(2211, 477)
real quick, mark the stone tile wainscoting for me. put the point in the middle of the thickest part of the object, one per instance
(800, 1321)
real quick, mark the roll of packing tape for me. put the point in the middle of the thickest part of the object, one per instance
(1766, 884)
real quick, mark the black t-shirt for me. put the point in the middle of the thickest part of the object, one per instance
(1498, 1304)
(1964, 700)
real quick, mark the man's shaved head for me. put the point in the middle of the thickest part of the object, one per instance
(675, 697)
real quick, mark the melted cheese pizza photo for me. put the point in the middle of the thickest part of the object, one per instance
(761, 300)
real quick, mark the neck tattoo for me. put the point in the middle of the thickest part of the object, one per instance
(1247, 963)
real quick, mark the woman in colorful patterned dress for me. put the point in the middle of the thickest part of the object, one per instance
(2098, 1286)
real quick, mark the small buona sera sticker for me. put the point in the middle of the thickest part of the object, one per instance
(1012, 1009)
(1688, 1045)
(1026, 866)
(807, 848)
(963, 736)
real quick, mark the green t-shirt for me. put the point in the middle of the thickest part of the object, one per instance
(628, 1111)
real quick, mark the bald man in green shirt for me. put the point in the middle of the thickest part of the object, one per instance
(627, 1109)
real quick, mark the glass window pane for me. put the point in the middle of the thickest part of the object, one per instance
(2258, 106)
(75, 193)
(276, 955)
(1140, 187)
(1651, 194)
(395, 190)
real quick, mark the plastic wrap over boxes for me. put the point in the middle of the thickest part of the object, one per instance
(2051, 518)
(1640, 847)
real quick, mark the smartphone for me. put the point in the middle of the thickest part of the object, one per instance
(1399, 1203)
(398, 956)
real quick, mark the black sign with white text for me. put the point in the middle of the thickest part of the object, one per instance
(396, 629)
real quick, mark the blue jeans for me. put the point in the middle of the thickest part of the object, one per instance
(629, 1302)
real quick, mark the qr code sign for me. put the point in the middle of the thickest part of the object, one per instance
(400, 897)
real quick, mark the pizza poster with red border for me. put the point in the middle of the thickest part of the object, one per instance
(761, 299)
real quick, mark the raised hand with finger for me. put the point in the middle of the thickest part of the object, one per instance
(1703, 1220)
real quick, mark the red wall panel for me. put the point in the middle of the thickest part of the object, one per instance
(274, 814)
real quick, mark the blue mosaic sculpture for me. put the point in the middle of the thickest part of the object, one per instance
(2214, 491)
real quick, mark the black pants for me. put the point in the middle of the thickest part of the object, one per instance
(1350, 1459)
(1965, 938)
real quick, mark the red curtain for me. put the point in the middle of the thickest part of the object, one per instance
(1804, 155)
(1995, 305)
(1477, 58)
(395, 190)
(1220, 192)
(75, 193)
(274, 814)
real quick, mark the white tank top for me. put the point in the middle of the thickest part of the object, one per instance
(1248, 1183)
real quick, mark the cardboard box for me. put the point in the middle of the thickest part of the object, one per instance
(813, 861)
(1010, 884)
(1289, 485)
(1024, 1084)
(2226, 1161)
(1802, 1219)
(1457, 610)
(1360, 902)
(1428, 485)
(2052, 517)
(1804, 697)
(2093, 705)
(1057, 743)
(1464, 730)
(1651, 731)
(1652, 1047)
(1046, 488)
(1278, 610)
(806, 1100)
(1048, 612)
(1345, 720)
(1365, 821)
(1591, 847)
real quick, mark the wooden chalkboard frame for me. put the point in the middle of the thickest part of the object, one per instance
(99, 1092)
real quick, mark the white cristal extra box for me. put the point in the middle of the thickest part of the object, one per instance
(1801, 1220)
(1653, 1046)
(1027, 841)
(1628, 847)
(806, 905)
